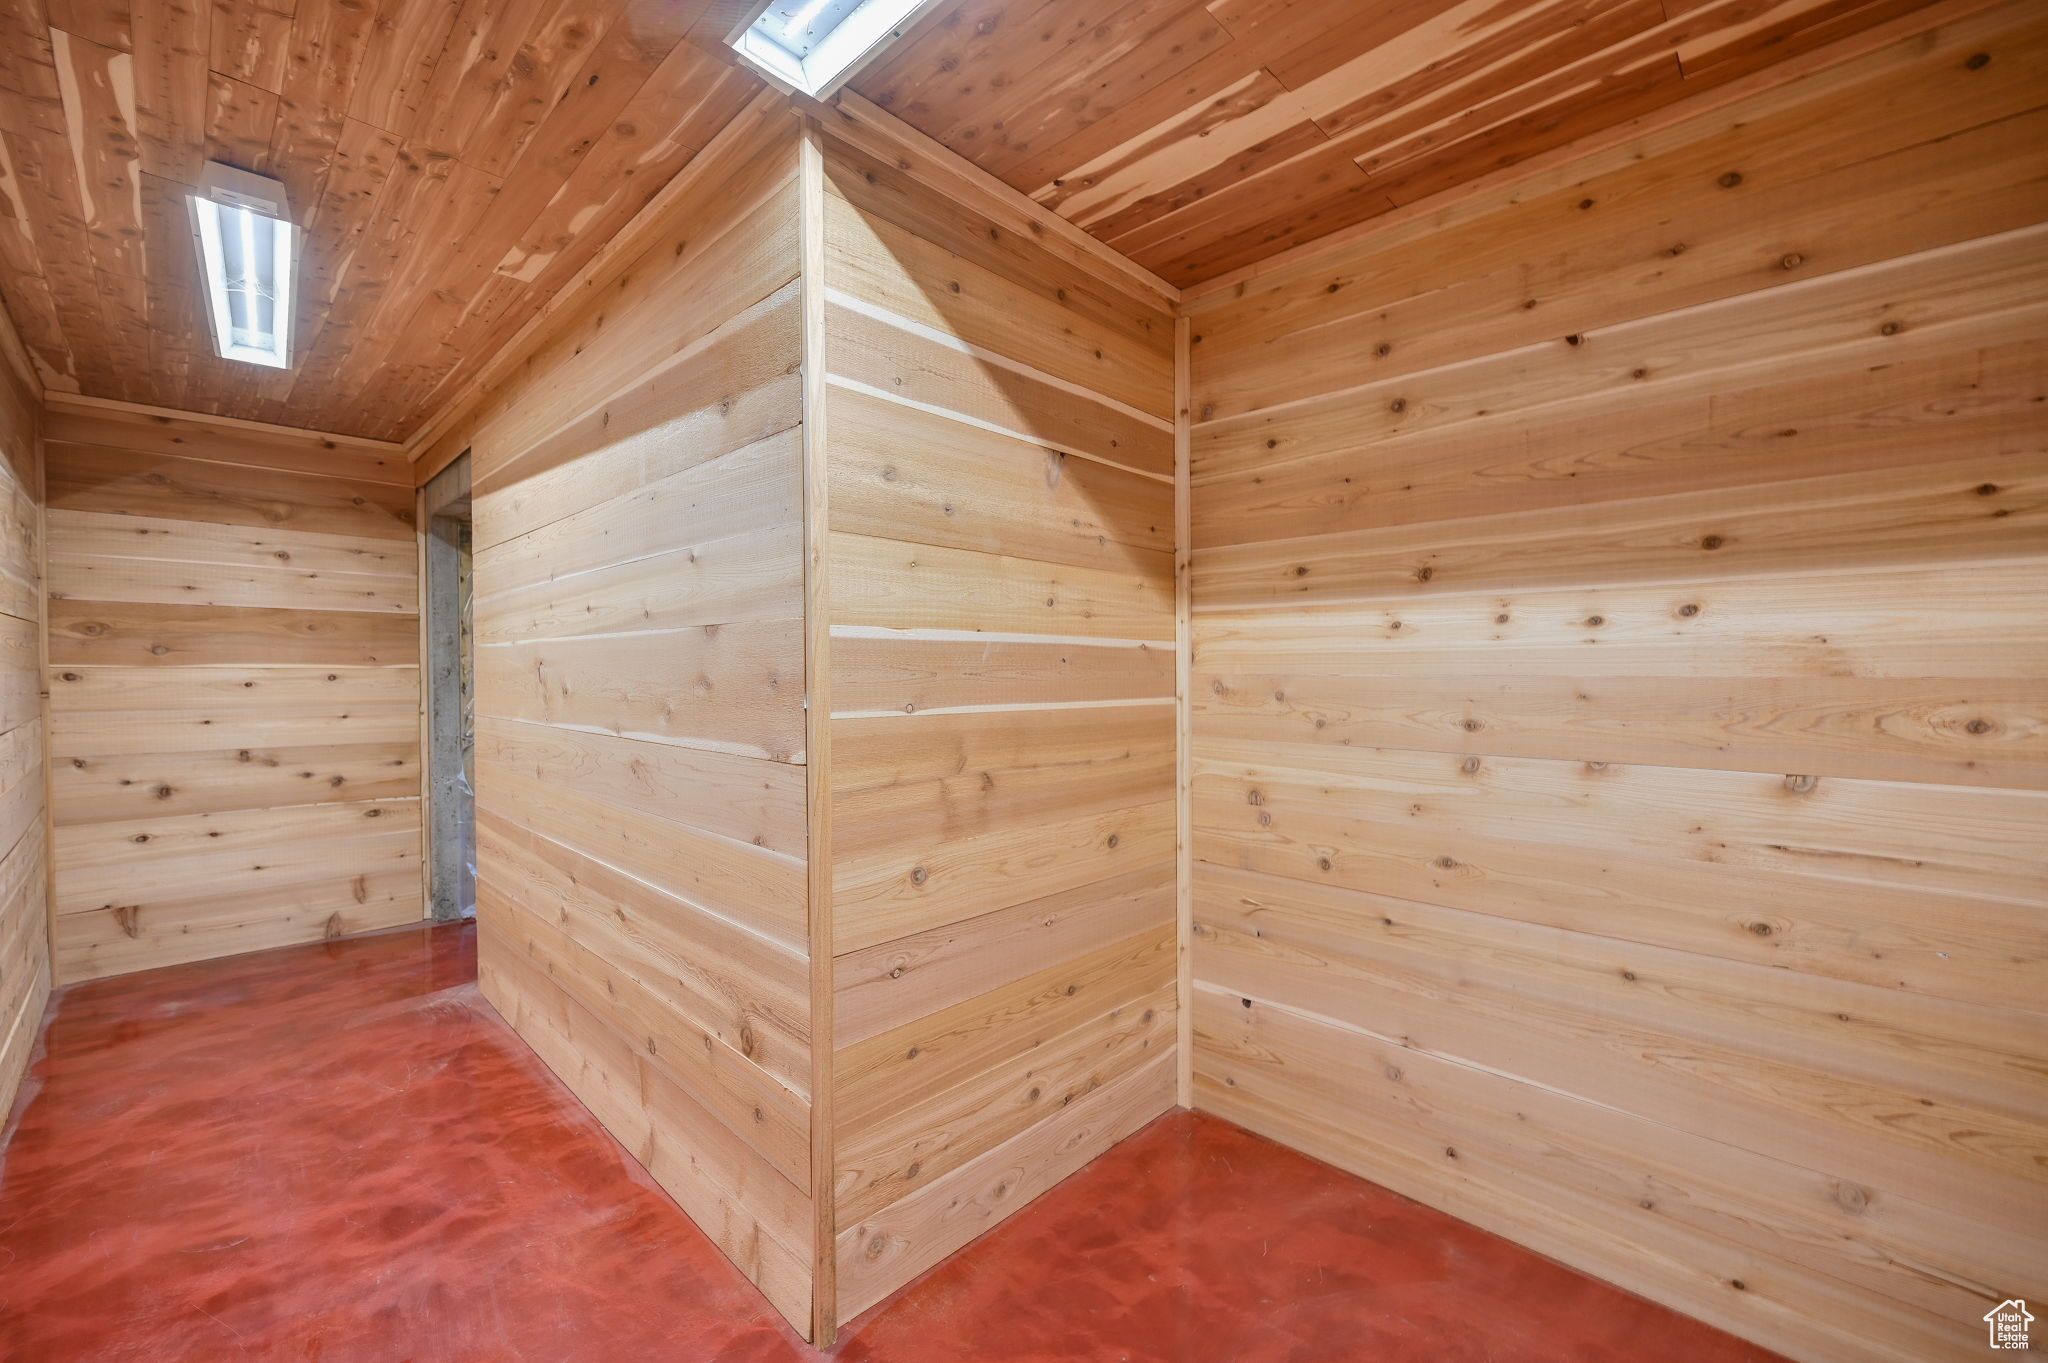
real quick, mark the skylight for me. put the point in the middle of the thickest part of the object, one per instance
(815, 46)
(247, 246)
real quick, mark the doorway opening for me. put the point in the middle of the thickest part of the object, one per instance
(448, 674)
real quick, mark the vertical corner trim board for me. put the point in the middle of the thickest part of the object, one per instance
(25, 966)
(1620, 704)
(233, 687)
(1002, 635)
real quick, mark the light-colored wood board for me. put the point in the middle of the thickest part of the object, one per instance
(908, 782)
(1960, 840)
(140, 861)
(743, 884)
(769, 1118)
(1981, 1164)
(225, 919)
(1309, 478)
(1978, 732)
(1912, 622)
(756, 1217)
(899, 585)
(658, 426)
(1972, 1055)
(745, 991)
(893, 894)
(914, 1233)
(1658, 1211)
(884, 670)
(746, 799)
(725, 688)
(120, 634)
(84, 421)
(882, 353)
(119, 481)
(901, 472)
(873, 259)
(885, 986)
(1953, 513)
(130, 785)
(940, 1131)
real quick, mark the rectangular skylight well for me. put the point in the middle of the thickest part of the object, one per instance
(815, 46)
(248, 248)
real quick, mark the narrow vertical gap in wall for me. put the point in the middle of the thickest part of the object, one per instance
(449, 693)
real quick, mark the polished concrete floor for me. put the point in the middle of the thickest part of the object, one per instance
(339, 1153)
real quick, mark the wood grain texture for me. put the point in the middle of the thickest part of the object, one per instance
(1617, 703)
(644, 843)
(26, 970)
(233, 639)
(451, 171)
(1001, 602)
(1201, 136)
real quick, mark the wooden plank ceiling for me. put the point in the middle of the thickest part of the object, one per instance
(453, 162)
(1198, 136)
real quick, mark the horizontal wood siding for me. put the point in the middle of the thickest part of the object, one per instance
(1000, 581)
(234, 694)
(25, 964)
(642, 841)
(1620, 729)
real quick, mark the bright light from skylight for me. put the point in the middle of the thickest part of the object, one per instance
(247, 244)
(816, 45)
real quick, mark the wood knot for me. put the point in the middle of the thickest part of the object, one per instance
(1731, 179)
(1712, 542)
(1792, 261)
(1890, 329)
(1977, 61)
(1801, 785)
(1979, 726)
(1688, 610)
(917, 875)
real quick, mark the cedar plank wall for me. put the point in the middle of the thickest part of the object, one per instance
(25, 973)
(1621, 622)
(234, 693)
(640, 751)
(998, 420)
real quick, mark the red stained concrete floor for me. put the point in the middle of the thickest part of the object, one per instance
(340, 1153)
